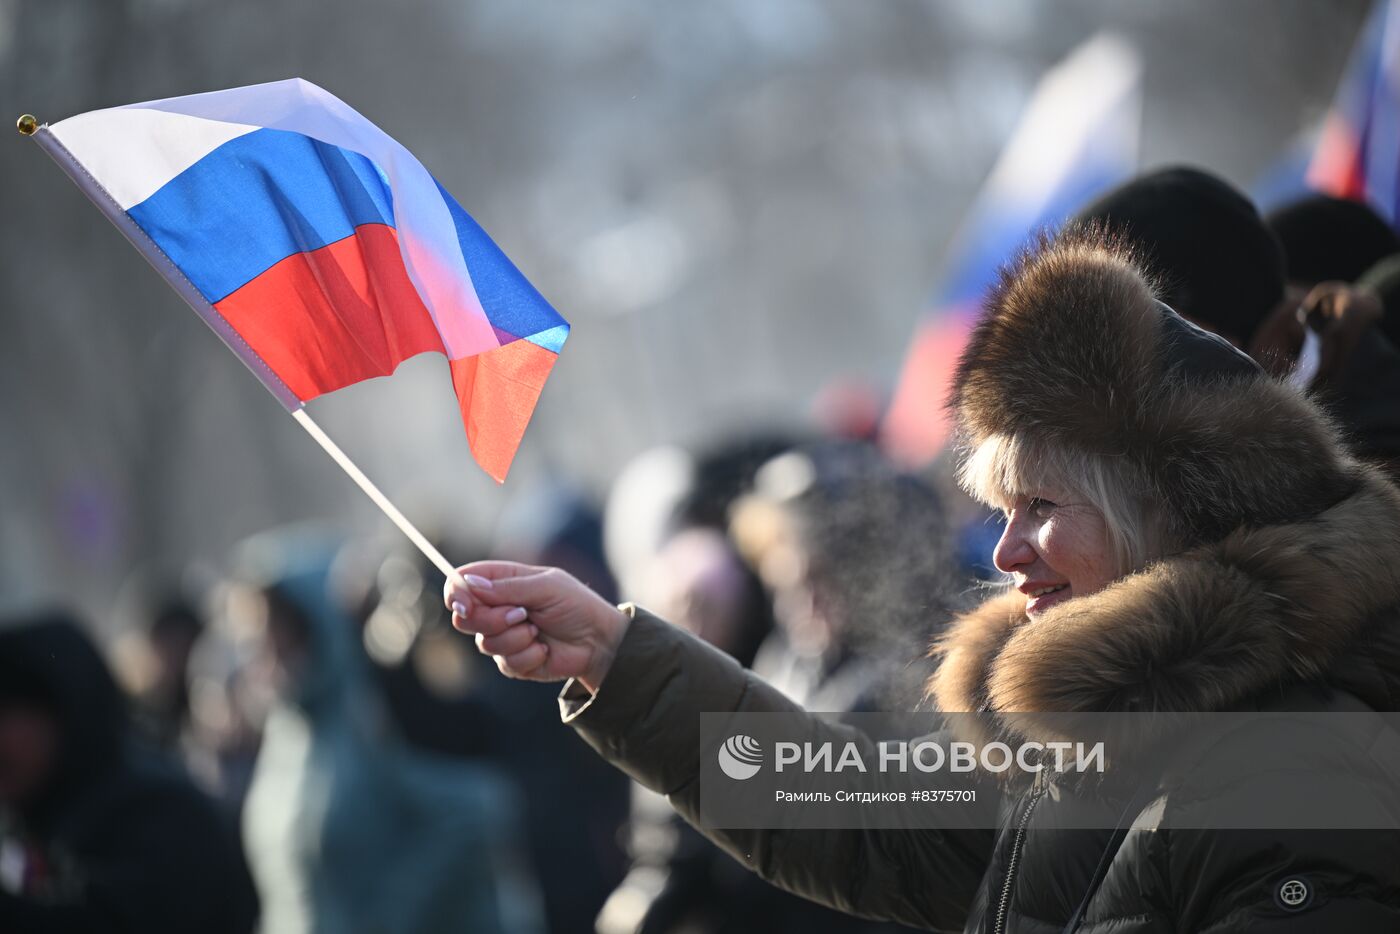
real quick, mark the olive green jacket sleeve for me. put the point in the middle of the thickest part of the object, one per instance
(645, 720)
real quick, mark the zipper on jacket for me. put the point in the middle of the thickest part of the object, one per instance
(1017, 843)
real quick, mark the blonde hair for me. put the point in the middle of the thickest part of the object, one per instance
(1003, 467)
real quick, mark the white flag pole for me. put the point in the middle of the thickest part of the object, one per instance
(89, 186)
(380, 500)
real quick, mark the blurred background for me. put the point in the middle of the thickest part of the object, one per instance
(734, 203)
(769, 222)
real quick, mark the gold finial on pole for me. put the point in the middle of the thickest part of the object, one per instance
(27, 125)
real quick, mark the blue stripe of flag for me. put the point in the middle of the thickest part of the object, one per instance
(509, 300)
(258, 199)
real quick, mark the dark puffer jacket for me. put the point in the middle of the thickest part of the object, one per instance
(1030, 875)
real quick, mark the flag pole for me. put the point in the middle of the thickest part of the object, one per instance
(389, 509)
(29, 126)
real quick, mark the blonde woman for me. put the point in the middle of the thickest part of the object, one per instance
(1183, 534)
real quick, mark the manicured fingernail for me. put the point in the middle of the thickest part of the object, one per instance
(460, 610)
(516, 615)
(480, 583)
(534, 630)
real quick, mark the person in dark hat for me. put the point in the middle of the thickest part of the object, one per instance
(101, 834)
(1202, 240)
(1354, 370)
(1329, 244)
(1217, 263)
(1183, 534)
(1326, 239)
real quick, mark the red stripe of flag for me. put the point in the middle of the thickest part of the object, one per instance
(346, 312)
(497, 391)
(334, 316)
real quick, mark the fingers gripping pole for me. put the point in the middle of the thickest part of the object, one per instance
(380, 500)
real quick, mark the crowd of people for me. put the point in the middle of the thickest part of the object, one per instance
(309, 745)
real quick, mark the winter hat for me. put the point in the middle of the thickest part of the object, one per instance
(1213, 258)
(1325, 238)
(1075, 349)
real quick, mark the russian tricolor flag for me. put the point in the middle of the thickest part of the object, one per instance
(1078, 137)
(320, 249)
(1358, 155)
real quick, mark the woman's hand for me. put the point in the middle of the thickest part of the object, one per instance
(538, 623)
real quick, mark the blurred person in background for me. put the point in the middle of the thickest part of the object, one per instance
(1327, 239)
(665, 491)
(346, 828)
(99, 833)
(709, 590)
(153, 661)
(227, 710)
(855, 553)
(1352, 369)
(1219, 265)
(575, 807)
(1211, 257)
(432, 685)
(679, 881)
(445, 699)
(1328, 246)
(685, 559)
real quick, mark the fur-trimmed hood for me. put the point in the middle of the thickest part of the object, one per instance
(1204, 630)
(1288, 569)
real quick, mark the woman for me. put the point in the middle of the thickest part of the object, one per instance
(1183, 534)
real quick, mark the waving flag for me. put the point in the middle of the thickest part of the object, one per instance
(319, 248)
(1078, 137)
(1358, 155)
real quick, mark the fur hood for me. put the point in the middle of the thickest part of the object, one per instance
(1204, 630)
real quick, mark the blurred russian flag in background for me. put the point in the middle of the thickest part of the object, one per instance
(1078, 137)
(321, 250)
(1358, 154)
